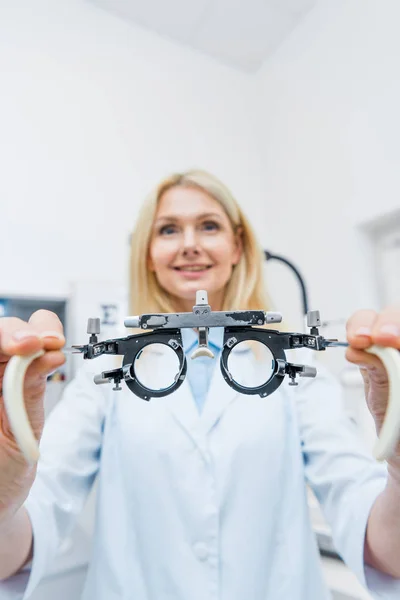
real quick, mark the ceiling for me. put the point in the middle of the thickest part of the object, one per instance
(241, 33)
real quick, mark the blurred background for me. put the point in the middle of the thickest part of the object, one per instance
(292, 103)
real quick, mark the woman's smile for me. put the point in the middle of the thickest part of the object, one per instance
(195, 271)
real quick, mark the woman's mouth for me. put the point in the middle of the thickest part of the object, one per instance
(192, 271)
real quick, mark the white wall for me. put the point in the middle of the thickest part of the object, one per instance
(329, 116)
(93, 112)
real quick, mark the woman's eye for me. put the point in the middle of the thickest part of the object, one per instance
(210, 225)
(167, 230)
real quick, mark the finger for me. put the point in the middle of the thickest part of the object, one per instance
(359, 328)
(49, 328)
(38, 372)
(363, 359)
(17, 337)
(370, 365)
(45, 365)
(386, 329)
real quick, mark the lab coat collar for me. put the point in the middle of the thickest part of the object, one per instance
(220, 396)
(185, 412)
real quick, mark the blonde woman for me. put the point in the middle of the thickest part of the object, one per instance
(201, 494)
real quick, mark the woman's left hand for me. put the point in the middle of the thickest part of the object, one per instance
(364, 329)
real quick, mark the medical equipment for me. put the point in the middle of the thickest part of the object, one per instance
(239, 326)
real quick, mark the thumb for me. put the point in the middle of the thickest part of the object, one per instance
(49, 328)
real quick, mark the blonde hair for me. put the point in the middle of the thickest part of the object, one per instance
(245, 289)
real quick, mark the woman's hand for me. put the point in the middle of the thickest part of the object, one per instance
(43, 332)
(364, 329)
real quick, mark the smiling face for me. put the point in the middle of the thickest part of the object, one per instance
(193, 246)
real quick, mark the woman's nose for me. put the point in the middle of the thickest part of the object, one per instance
(190, 242)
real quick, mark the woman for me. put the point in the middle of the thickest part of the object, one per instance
(202, 494)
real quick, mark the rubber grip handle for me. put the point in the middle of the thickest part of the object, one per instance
(389, 435)
(13, 393)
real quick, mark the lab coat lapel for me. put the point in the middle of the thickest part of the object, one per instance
(180, 403)
(220, 396)
(184, 410)
(183, 407)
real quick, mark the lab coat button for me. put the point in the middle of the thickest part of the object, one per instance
(200, 551)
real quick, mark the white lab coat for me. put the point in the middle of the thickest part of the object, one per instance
(204, 507)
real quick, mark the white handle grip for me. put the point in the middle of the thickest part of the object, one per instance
(389, 435)
(13, 393)
(13, 385)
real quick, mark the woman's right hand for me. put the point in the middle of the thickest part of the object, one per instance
(43, 331)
